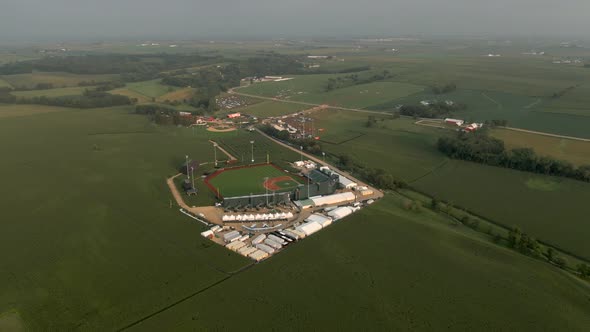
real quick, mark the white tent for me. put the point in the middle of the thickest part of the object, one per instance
(239, 217)
(277, 215)
(283, 215)
(289, 215)
(258, 217)
(225, 218)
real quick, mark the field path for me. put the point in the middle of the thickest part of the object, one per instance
(533, 104)
(493, 100)
(175, 193)
(376, 193)
(232, 91)
(547, 134)
(223, 150)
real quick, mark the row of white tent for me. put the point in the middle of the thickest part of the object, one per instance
(253, 217)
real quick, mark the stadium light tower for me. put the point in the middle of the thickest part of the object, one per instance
(215, 153)
(252, 144)
(266, 190)
(301, 148)
(193, 176)
(324, 156)
(186, 158)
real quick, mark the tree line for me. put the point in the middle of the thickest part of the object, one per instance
(436, 109)
(481, 148)
(89, 99)
(164, 115)
(354, 79)
(442, 89)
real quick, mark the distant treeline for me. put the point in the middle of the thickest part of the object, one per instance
(90, 99)
(164, 115)
(131, 67)
(434, 110)
(339, 71)
(354, 79)
(442, 89)
(481, 148)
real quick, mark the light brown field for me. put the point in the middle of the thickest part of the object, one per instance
(179, 95)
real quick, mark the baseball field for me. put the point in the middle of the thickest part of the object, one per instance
(255, 179)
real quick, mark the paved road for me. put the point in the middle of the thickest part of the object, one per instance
(547, 134)
(233, 91)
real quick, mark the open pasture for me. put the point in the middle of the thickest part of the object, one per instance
(11, 111)
(151, 89)
(58, 79)
(415, 273)
(576, 152)
(551, 209)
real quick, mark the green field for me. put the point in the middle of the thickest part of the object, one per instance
(346, 279)
(86, 196)
(11, 111)
(246, 181)
(58, 79)
(4, 84)
(59, 92)
(576, 152)
(272, 108)
(552, 209)
(408, 152)
(311, 89)
(150, 89)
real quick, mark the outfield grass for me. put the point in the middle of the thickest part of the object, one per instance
(412, 272)
(551, 209)
(246, 181)
(86, 196)
(58, 79)
(576, 152)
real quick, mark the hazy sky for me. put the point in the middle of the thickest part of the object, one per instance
(95, 19)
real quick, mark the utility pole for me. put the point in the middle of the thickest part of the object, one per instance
(252, 144)
(266, 190)
(324, 157)
(308, 186)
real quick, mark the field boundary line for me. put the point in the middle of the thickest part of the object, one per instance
(533, 104)
(184, 299)
(500, 106)
(546, 134)
(217, 145)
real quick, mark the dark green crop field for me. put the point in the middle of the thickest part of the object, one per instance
(414, 273)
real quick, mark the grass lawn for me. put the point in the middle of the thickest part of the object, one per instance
(413, 272)
(245, 181)
(576, 152)
(58, 79)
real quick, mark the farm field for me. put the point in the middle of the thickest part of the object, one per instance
(152, 89)
(237, 143)
(58, 79)
(340, 279)
(4, 84)
(103, 246)
(59, 92)
(11, 111)
(249, 180)
(269, 108)
(404, 149)
(177, 95)
(576, 152)
(551, 209)
(409, 153)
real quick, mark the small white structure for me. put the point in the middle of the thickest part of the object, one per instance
(216, 228)
(319, 218)
(272, 244)
(297, 232)
(258, 255)
(341, 212)
(231, 236)
(309, 228)
(265, 248)
(456, 122)
(208, 234)
(299, 163)
(276, 239)
(346, 197)
(235, 246)
(346, 182)
(245, 251)
(258, 239)
(292, 234)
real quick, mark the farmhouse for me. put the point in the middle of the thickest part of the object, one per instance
(456, 122)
